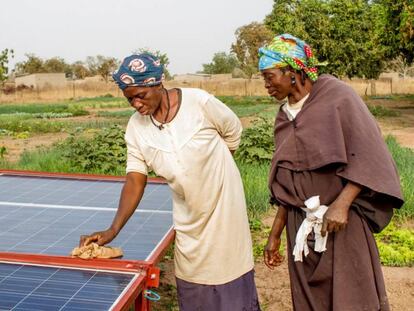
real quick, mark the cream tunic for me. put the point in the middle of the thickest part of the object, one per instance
(213, 243)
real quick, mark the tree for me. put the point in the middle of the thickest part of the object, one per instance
(400, 65)
(56, 65)
(158, 54)
(106, 65)
(249, 39)
(101, 65)
(79, 70)
(4, 63)
(33, 64)
(92, 65)
(221, 63)
(396, 26)
(342, 33)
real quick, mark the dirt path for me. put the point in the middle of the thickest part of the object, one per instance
(15, 147)
(404, 135)
(274, 288)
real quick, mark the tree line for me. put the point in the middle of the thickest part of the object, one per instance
(92, 66)
(359, 38)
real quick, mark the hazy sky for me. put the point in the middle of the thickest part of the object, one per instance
(189, 31)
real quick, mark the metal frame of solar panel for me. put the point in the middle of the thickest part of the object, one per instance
(43, 214)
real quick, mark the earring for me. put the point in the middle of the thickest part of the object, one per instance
(292, 80)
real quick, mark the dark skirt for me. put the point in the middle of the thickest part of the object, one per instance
(237, 295)
(346, 277)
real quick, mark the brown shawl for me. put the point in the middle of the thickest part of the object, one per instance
(336, 127)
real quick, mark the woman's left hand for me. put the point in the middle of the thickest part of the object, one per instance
(335, 218)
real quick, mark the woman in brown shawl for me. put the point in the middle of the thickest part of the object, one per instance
(334, 181)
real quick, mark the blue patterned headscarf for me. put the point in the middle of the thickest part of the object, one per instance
(139, 70)
(287, 50)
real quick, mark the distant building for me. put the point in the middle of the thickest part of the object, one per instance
(42, 80)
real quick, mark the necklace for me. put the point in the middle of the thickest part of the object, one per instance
(161, 126)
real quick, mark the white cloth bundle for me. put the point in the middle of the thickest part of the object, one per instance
(313, 221)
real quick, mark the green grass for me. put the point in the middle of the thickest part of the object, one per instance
(379, 111)
(249, 105)
(95, 124)
(102, 102)
(255, 188)
(14, 124)
(52, 160)
(404, 158)
(246, 111)
(39, 108)
(246, 100)
(396, 97)
(45, 160)
(22, 123)
(123, 114)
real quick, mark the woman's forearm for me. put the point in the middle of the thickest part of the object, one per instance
(279, 223)
(348, 195)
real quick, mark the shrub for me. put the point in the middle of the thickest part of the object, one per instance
(379, 111)
(257, 144)
(105, 153)
(396, 246)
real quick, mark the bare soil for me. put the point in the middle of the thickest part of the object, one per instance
(16, 146)
(274, 286)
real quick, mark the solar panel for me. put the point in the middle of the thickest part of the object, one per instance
(29, 287)
(45, 215)
(48, 215)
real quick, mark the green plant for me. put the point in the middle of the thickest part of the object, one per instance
(21, 135)
(379, 111)
(20, 124)
(3, 152)
(38, 108)
(123, 114)
(246, 100)
(104, 153)
(257, 143)
(255, 188)
(43, 159)
(396, 246)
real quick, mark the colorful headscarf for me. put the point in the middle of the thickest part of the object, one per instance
(139, 70)
(287, 50)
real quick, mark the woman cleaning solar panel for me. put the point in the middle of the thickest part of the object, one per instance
(188, 136)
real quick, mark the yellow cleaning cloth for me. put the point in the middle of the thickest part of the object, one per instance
(93, 250)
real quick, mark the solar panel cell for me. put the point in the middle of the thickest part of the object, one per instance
(26, 287)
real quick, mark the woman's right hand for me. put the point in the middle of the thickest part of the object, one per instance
(101, 237)
(272, 256)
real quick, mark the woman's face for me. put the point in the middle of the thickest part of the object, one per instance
(277, 82)
(145, 99)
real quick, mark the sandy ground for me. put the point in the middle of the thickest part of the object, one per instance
(274, 287)
(15, 147)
